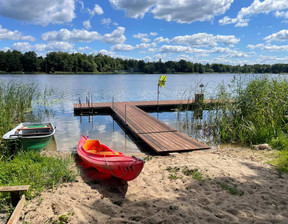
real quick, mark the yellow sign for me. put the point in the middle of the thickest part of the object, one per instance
(162, 80)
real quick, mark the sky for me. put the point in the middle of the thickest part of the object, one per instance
(232, 32)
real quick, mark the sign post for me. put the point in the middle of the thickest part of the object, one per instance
(161, 82)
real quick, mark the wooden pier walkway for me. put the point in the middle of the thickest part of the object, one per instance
(159, 136)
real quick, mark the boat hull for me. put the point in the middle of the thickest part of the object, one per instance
(31, 136)
(37, 144)
(120, 166)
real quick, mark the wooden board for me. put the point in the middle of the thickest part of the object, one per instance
(14, 218)
(14, 188)
(171, 142)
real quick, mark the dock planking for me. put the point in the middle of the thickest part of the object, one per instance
(158, 135)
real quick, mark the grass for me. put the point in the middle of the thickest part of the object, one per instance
(233, 190)
(194, 173)
(30, 168)
(21, 102)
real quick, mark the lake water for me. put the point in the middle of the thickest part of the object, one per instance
(102, 88)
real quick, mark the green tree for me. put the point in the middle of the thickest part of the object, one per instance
(30, 62)
(13, 61)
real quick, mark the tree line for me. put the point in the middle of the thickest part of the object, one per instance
(29, 62)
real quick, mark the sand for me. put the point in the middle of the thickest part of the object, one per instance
(163, 194)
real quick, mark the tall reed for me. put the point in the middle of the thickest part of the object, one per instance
(258, 114)
(15, 101)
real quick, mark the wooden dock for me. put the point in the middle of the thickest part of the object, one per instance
(159, 136)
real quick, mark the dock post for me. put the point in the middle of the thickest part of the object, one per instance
(199, 99)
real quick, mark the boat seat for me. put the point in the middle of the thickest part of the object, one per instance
(94, 146)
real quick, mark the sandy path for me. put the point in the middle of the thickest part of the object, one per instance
(153, 197)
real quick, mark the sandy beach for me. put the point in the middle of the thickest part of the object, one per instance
(235, 185)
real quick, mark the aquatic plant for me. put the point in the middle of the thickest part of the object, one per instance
(258, 114)
(21, 102)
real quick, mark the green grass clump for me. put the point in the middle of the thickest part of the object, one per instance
(173, 177)
(194, 173)
(231, 189)
(281, 162)
(172, 169)
(280, 143)
(41, 172)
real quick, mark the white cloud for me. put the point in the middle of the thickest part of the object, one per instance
(116, 37)
(122, 47)
(105, 52)
(161, 40)
(173, 49)
(202, 52)
(140, 35)
(153, 34)
(263, 59)
(205, 40)
(106, 21)
(145, 45)
(133, 8)
(74, 35)
(53, 46)
(96, 10)
(172, 10)
(87, 24)
(5, 49)
(279, 36)
(145, 40)
(257, 7)
(282, 14)
(269, 47)
(13, 35)
(39, 12)
(82, 49)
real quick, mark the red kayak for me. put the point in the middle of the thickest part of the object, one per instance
(107, 161)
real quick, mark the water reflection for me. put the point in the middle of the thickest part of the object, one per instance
(52, 146)
(108, 132)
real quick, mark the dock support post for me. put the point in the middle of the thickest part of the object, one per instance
(199, 99)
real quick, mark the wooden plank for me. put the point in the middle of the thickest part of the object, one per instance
(141, 121)
(170, 141)
(17, 211)
(14, 188)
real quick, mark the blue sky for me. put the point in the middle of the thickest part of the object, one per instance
(206, 31)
